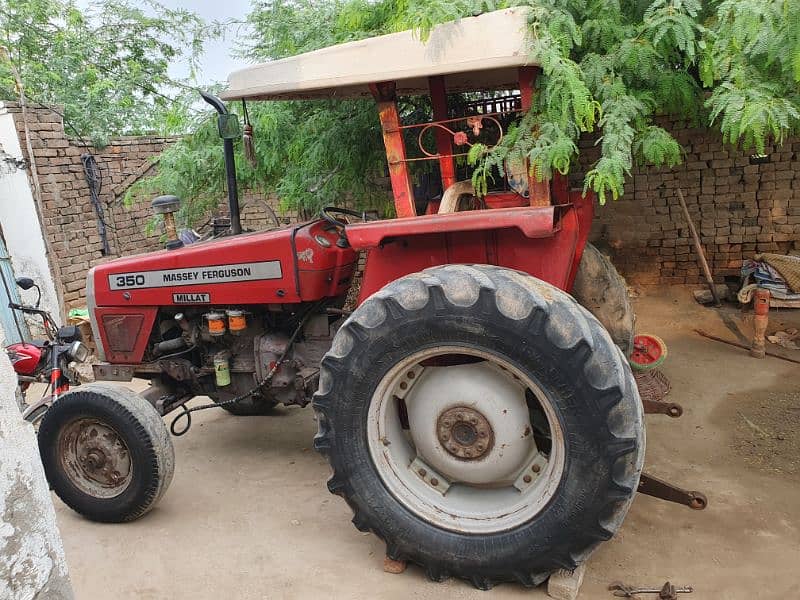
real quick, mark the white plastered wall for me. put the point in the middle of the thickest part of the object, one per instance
(20, 223)
(32, 561)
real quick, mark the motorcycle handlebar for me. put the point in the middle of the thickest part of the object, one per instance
(28, 309)
(49, 325)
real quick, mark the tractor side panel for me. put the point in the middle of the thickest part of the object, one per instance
(302, 263)
(297, 264)
(549, 258)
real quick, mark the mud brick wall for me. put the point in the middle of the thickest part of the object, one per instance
(739, 209)
(69, 219)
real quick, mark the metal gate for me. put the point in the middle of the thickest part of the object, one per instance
(8, 286)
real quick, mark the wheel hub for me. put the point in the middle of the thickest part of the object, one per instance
(95, 458)
(470, 423)
(465, 433)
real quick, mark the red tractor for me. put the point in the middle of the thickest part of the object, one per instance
(477, 407)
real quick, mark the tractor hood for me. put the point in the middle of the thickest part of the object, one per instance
(302, 263)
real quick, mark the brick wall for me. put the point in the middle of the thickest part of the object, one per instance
(69, 220)
(70, 223)
(738, 208)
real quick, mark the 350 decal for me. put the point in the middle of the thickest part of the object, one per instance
(123, 281)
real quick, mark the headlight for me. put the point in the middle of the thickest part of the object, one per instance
(78, 352)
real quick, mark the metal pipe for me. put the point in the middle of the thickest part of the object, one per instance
(742, 346)
(169, 346)
(230, 167)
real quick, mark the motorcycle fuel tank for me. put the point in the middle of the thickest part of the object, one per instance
(25, 357)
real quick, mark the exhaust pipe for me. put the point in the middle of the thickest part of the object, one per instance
(230, 163)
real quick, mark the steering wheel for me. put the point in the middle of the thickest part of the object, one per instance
(328, 212)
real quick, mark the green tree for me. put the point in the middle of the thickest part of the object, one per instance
(107, 64)
(609, 66)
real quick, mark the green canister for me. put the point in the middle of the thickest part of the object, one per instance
(222, 369)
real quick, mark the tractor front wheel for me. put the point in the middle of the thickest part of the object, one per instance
(106, 452)
(482, 423)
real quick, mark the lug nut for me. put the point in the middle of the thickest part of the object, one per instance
(434, 482)
(527, 479)
(410, 375)
(403, 385)
(536, 468)
(422, 472)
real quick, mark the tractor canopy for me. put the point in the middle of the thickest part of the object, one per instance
(486, 58)
(475, 53)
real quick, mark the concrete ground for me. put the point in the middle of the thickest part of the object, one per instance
(248, 515)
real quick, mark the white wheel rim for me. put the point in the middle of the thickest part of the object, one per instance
(505, 480)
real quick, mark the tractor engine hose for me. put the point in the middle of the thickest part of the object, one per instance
(169, 346)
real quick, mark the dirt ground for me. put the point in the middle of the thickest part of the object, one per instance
(248, 515)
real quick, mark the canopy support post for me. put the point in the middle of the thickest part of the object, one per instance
(386, 97)
(539, 190)
(444, 145)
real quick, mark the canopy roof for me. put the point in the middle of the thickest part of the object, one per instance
(476, 53)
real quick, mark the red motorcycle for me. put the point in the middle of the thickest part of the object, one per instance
(45, 361)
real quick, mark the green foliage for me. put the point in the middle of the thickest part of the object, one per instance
(753, 56)
(106, 64)
(629, 62)
(753, 114)
(290, 137)
(608, 66)
(655, 146)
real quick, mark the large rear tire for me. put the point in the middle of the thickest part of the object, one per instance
(106, 452)
(603, 292)
(482, 423)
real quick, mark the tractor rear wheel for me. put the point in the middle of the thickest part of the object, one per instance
(603, 292)
(482, 423)
(106, 452)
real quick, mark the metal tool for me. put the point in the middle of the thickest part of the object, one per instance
(665, 592)
(658, 488)
(743, 346)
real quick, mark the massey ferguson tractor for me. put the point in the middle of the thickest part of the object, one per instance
(477, 405)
